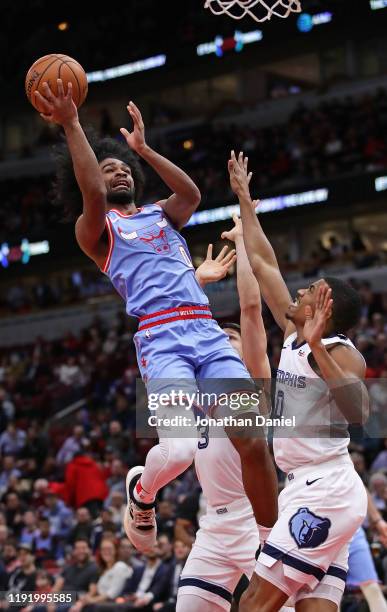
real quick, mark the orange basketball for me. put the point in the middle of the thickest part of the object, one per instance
(52, 67)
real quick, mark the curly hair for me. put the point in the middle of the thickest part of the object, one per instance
(66, 193)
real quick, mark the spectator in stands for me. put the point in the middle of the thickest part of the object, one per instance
(24, 576)
(10, 557)
(70, 374)
(80, 572)
(12, 440)
(165, 544)
(117, 507)
(4, 535)
(14, 510)
(85, 483)
(83, 528)
(127, 553)
(45, 543)
(9, 470)
(380, 463)
(165, 518)
(30, 529)
(378, 490)
(181, 552)
(36, 446)
(117, 440)
(116, 480)
(112, 577)
(148, 584)
(104, 527)
(71, 445)
(59, 515)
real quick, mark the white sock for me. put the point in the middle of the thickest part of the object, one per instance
(142, 496)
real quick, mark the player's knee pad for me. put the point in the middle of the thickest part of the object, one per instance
(179, 451)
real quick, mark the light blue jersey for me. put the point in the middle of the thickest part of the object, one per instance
(178, 343)
(149, 262)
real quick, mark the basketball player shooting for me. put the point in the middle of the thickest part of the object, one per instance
(320, 374)
(147, 261)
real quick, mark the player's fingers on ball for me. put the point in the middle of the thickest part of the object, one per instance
(222, 254)
(59, 88)
(47, 91)
(209, 251)
(44, 102)
(69, 90)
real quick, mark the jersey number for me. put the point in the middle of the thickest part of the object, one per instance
(204, 437)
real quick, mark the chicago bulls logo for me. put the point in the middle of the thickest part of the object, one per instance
(158, 241)
(156, 238)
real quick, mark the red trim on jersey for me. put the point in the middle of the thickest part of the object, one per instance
(169, 310)
(111, 244)
(125, 216)
(171, 319)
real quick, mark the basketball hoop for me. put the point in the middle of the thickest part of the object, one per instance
(259, 10)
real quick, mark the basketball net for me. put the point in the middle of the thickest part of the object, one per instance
(259, 10)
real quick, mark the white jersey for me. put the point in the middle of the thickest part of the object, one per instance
(321, 432)
(218, 468)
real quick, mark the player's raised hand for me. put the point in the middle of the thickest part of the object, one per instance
(135, 139)
(239, 176)
(315, 323)
(213, 270)
(58, 108)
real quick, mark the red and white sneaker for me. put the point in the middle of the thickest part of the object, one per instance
(140, 519)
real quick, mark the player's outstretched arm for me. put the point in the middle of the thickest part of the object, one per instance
(61, 109)
(259, 250)
(254, 341)
(186, 195)
(342, 368)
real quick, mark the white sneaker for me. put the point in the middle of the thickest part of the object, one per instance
(140, 519)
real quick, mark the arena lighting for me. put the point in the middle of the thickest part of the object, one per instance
(381, 181)
(236, 43)
(222, 213)
(126, 69)
(63, 26)
(375, 5)
(22, 252)
(306, 22)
